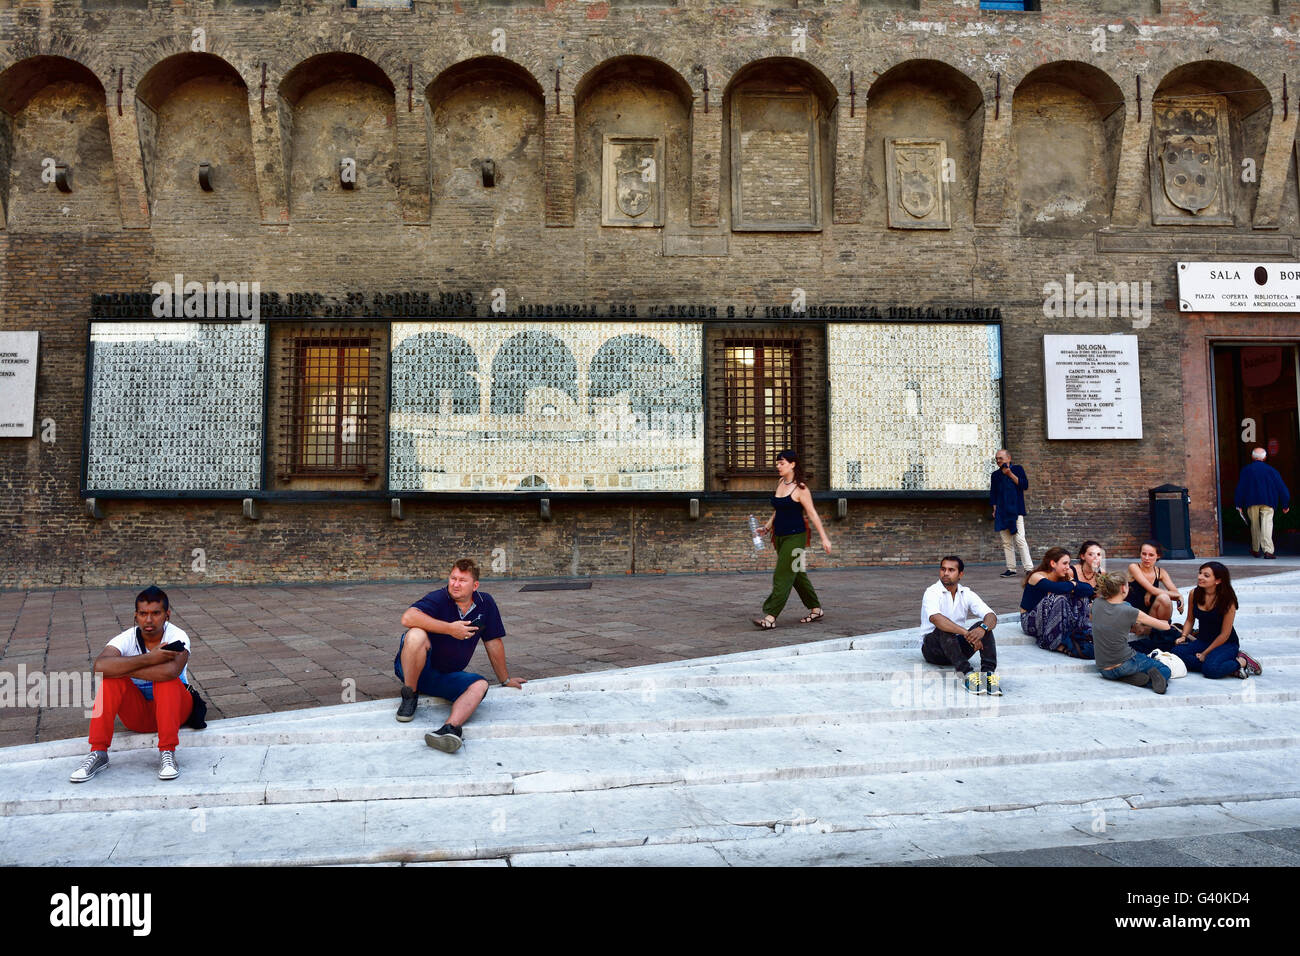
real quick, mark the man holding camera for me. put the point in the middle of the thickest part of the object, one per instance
(1007, 496)
(443, 628)
(145, 683)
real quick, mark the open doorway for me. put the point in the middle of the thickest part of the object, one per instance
(1256, 407)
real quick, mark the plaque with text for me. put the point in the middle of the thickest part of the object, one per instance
(1093, 387)
(17, 383)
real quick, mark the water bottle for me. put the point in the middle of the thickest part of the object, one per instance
(753, 530)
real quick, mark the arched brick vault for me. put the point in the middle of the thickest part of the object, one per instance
(392, 64)
(661, 71)
(928, 99)
(208, 123)
(146, 62)
(1068, 121)
(74, 133)
(481, 109)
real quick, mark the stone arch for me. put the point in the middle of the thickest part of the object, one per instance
(1067, 123)
(484, 124)
(1207, 100)
(623, 107)
(193, 108)
(53, 110)
(778, 114)
(337, 107)
(924, 100)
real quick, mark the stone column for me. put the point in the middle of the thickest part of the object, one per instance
(706, 162)
(1132, 180)
(1275, 164)
(272, 138)
(128, 160)
(558, 160)
(850, 160)
(413, 191)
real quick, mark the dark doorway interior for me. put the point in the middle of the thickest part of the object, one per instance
(1256, 406)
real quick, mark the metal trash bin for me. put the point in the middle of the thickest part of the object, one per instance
(1171, 523)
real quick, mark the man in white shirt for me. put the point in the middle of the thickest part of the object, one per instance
(955, 624)
(145, 684)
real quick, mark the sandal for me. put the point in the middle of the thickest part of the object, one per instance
(766, 623)
(814, 616)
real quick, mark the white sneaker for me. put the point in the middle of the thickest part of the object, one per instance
(167, 769)
(96, 761)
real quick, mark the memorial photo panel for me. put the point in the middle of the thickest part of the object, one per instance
(557, 406)
(175, 406)
(915, 407)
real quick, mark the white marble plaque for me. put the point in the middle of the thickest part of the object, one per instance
(1239, 287)
(17, 383)
(1093, 387)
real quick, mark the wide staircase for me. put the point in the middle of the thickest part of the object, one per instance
(848, 751)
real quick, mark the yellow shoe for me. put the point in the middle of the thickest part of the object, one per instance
(994, 685)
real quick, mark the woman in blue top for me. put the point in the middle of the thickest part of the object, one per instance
(1214, 650)
(792, 503)
(1054, 607)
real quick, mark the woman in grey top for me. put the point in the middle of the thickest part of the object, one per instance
(1112, 618)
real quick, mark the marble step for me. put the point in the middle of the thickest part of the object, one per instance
(478, 827)
(405, 768)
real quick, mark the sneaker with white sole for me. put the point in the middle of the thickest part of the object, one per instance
(406, 709)
(167, 769)
(95, 761)
(1249, 664)
(994, 685)
(446, 738)
(972, 682)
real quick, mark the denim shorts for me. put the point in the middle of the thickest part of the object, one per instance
(432, 683)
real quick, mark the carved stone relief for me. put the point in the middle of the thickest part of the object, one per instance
(918, 195)
(632, 170)
(1191, 156)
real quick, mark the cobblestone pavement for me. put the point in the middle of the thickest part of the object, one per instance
(262, 649)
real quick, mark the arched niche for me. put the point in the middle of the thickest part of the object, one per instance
(632, 144)
(53, 111)
(777, 148)
(192, 108)
(484, 121)
(338, 118)
(1209, 124)
(925, 125)
(1067, 124)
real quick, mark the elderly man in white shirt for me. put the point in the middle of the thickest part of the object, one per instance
(955, 624)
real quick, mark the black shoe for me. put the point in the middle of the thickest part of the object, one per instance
(446, 738)
(1140, 679)
(1269, 556)
(1159, 683)
(406, 709)
(1254, 554)
(1008, 573)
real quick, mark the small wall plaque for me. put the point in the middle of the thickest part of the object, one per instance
(632, 172)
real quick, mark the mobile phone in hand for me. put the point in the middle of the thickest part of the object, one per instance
(174, 646)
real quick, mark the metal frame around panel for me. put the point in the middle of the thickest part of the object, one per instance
(495, 497)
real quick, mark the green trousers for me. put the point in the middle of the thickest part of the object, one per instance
(785, 576)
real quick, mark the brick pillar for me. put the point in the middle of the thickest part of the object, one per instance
(1132, 180)
(850, 161)
(1275, 164)
(6, 160)
(706, 163)
(413, 191)
(128, 161)
(558, 160)
(996, 156)
(272, 139)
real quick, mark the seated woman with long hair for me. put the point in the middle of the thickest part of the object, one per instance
(1054, 607)
(1214, 649)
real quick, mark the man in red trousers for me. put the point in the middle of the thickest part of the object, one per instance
(144, 683)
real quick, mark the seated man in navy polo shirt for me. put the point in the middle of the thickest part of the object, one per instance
(443, 628)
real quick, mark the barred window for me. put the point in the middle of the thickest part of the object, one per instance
(765, 388)
(330, 386)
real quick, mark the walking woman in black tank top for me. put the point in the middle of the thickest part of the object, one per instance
(792, 512)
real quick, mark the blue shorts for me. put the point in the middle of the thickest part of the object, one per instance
(434, 683)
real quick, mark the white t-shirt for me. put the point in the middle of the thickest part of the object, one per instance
(965, 609)
(128, 646)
